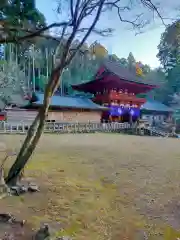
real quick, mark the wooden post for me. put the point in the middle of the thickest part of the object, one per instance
(23, 128)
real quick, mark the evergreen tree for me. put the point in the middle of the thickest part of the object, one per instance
(131, 61)
(169, 47)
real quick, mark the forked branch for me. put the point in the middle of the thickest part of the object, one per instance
(79, 10)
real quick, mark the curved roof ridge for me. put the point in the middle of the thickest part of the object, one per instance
(126, 74)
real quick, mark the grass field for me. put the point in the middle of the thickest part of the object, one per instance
(102, 186)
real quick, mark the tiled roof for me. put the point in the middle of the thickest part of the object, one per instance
(125, 74)
(69, 102)
(152, 105)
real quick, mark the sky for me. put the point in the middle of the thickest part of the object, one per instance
(123, 40)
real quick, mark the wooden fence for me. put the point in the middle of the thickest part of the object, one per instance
(57, 127)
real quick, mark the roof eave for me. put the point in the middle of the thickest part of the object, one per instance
(71, 107)
(160, 110)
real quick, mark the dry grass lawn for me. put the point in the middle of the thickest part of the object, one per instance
(102, 186)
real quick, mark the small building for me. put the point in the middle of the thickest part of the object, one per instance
(2, 116)
(16, 100)
(157, 111)
(117, 88)
(62, 109)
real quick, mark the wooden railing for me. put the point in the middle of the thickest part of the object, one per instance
(58, 127)
(107, 97)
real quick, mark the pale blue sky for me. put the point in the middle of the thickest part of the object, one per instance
(123, 41)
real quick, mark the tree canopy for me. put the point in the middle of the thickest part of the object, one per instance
(21, 12)
(13, 86)
(131, 61)
(169, 47)
(17, 15)
(169, 56)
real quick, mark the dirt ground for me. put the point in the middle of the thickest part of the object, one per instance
(102, 186)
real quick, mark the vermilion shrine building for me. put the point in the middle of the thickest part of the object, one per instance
(117, 88)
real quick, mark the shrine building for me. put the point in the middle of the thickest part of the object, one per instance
(117, 88)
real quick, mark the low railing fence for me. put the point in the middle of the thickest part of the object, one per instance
(58, 127)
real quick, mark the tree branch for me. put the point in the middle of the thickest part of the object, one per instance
(82, 10)
(71, 8)
(104, 33)
(151, 6)
(88, 32)
(76, 10)
(136, 23)
(27, 31)
(32, 34)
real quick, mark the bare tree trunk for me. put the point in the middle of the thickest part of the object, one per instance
(33, 135)
(3, 187)
(27, 149)
(29, 136)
